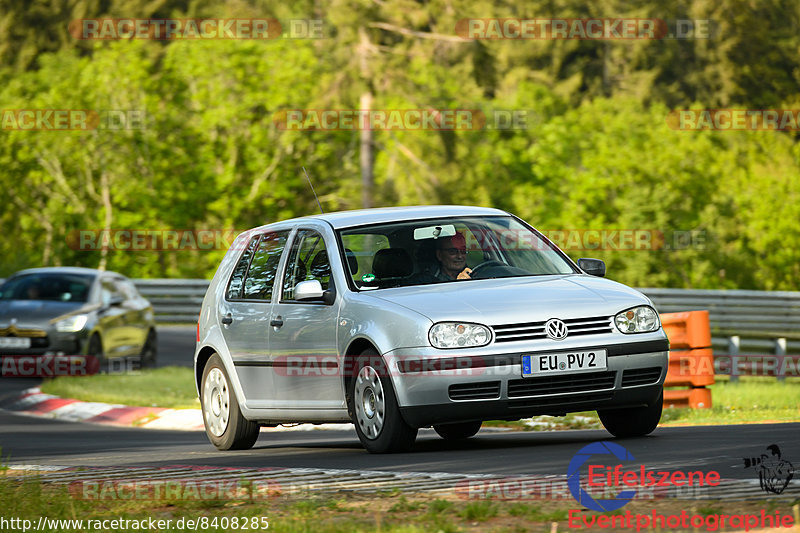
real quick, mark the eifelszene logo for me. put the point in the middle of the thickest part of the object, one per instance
(602, 477)
(774, 472)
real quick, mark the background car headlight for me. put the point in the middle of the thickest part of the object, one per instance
(637, 320)
(71, 324)
(458, 335)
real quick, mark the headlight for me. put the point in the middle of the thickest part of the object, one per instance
(458, 335)
(637, 320)
(71, 324)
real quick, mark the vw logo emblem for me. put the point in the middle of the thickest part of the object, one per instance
(556, 329)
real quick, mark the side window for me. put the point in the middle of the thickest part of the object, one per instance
(360, 250)
(264, 267)
(237, 278)
(109, 291)
(308, 260)
(128, 289)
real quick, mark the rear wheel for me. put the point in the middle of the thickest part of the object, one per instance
(458, 431)
(149, 351)
(374, 410)
(226, 428)
(634, 422)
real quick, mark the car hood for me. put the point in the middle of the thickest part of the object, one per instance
(37, 312)
(512, 300)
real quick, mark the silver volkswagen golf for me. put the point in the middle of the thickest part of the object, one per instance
(397, 319)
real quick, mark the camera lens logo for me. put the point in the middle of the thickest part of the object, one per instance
(774, 472)
(574, 477)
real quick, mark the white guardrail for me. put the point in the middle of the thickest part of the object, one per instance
(741, 321)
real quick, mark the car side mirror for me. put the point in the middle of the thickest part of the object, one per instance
(593, 267)
(312, 290)
(115, 301)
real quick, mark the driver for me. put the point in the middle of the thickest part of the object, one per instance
(451, 252)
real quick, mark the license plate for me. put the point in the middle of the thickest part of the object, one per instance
(563, 362)
(15, 342)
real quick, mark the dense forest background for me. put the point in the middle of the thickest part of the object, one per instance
(597, 153)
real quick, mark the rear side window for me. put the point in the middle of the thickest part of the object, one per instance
(264, 267)
(237, 278)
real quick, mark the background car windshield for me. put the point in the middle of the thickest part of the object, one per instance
(411, 253)
(58, 287)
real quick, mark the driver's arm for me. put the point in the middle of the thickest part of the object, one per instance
(465, 274)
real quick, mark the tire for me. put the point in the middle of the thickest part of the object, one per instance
(373, 407)
(226, 428)
(95, 350)
(458, 431)
(149, 351)
(634, 422)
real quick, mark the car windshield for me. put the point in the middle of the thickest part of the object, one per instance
(50, 286)
(429, 251)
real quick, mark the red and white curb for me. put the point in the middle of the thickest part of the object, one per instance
(33, 402)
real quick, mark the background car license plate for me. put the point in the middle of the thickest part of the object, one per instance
(15, 342)
(563, 362)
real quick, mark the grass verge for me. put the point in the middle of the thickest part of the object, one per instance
(339, 513)
(170, 386)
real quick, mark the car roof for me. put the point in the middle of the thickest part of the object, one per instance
(361, 217)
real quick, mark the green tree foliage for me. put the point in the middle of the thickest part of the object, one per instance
(596, 152)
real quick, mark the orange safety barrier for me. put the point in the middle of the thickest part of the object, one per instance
(691, 362)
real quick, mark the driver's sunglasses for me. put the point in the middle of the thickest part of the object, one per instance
(454, 251)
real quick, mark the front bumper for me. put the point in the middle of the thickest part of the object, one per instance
(51, 342)
(460, 388)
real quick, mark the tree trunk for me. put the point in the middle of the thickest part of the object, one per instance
(366, 156)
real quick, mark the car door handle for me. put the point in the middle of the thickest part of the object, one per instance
(227, 319)
(276, 322)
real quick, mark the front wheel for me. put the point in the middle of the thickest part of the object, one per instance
(458, 431)
(633, 422)
(226, 428)
(149, 351)
(374, 410)
(97, 361)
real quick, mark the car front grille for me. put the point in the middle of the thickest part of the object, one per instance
(535, 330)
(564, 384)
(483, 390)
(640, 376)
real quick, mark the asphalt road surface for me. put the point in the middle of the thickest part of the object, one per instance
(176, 345)
(27, 440)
